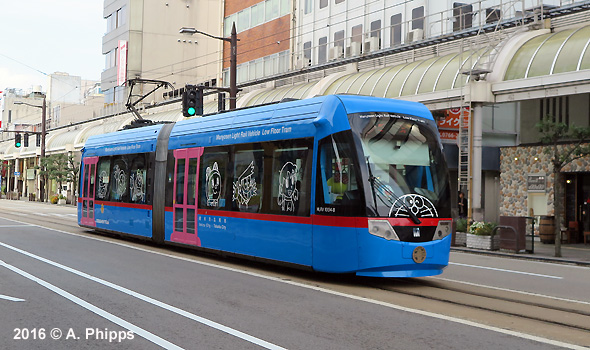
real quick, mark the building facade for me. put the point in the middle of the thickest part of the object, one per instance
(143, 40)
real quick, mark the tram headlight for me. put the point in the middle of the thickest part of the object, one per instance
(443, 229)
(383, 229)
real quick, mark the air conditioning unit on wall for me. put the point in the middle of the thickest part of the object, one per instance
(302, 63)
(372, 44)
(415, 35)
(336, 52)
(354, 49)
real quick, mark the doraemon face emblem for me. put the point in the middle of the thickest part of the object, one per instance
(419, 205)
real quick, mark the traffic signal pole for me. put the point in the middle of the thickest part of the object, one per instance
(43, 131)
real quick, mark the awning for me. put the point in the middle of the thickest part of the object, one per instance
(430, 75)
(553, 53)
(58, 142)
(101, 128)
(298, 91)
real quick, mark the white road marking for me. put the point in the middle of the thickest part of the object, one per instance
(6, 297)
(511, 290)
(152, 301)
(4, 226)
(504, 270)
(100, 312)
(327, 291)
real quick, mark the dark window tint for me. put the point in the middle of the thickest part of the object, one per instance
(137, 179)
(119, 179)
(323, 49)
(213, 179)
(291, 178)
(247, 186)
(180, 165)
(103, 176)
(338, 191)
(396, 29)
(462, 15)
(418, 18)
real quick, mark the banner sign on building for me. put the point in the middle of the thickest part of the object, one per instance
(536, 183)
(122, 63)
(449, 126)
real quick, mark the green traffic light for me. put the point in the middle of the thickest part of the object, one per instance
(18, 144)
(191, 111)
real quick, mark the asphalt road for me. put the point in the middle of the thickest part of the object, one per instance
(64, 287)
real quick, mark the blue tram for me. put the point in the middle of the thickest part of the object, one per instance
(342, 184)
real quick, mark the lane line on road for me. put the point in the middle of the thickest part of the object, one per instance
(152, 301)
(504, 270)
(6, 297)
(511, 290)
(6, 226)
(349, 296)
(100, 312)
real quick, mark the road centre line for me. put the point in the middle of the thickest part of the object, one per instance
(504, 270)
(6, 297)
(509, 290)
(152, 301)
(331, 292)
(100, 312)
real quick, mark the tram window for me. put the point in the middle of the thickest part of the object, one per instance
(120, 179)
(91, 187)
(291, 179)
(169, 179)
(179, 195)
(86, 172)
(338, 190)
(247, 183)
(137, 180)
(102, 176)
(213, 178)
(191, 181)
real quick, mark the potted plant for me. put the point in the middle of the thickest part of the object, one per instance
(61, 199)
(461, 232)
(481, 236)
(53, 199)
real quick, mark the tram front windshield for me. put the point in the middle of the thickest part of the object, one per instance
(407, 176)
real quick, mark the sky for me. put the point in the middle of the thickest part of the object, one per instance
(40, 37)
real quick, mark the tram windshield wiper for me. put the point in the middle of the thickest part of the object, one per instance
(385, 195)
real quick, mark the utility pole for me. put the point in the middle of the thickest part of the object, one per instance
(233, 70)
(233, 59)
(43, 132)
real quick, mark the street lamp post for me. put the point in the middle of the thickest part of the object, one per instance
(233, 61)
(43, 131)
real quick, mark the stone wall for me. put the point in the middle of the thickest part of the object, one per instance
(518, 162)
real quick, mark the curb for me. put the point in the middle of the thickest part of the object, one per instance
(522, 257)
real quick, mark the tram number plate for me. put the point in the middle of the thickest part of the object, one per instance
(419, 255)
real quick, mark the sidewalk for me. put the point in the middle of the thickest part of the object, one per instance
(578, 254)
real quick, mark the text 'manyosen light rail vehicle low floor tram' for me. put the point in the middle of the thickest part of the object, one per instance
(343, 184)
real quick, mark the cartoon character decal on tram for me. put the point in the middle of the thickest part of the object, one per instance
(245, 187)
(288, 193)
(213, 185)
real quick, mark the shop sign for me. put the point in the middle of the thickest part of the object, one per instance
(536, 183)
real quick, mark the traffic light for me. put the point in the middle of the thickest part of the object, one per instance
(26, 140)
(192, 101)
(17, 140)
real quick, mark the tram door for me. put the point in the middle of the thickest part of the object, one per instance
(186, 176)
(87, 197)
